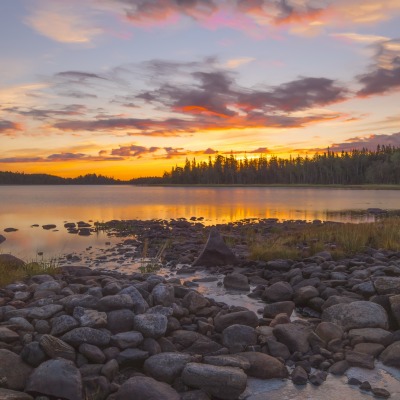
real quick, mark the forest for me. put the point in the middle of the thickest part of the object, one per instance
(356, 167)
(380, 166)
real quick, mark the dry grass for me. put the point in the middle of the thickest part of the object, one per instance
(341, 239)
(10, 274)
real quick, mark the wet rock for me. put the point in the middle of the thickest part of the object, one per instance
(278, 292)
(391, 355)
(215, 252)
(361, 360)
(228, 361)
(380, 393)
(151, 325)
(237, 282)
(238, 337)
(87, 335)
(2, 239)
(358, 314)
(14, 369)
(213, 380)
(145, 388)
(339, 367)
(317, 378)
(8, 230)
(166, 367)
(273, 309)
(248, 318)
(294, 336)
(299, 376)
(49, 226)
(58, 378)
(328, 331)
(6, 394)
(264, 366)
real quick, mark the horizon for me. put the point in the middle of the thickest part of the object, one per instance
(129, 88)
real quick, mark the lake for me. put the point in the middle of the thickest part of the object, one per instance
(23, 206)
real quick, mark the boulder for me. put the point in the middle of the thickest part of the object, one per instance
(372, 335)
(387, 285)
(10, 261)
(150, 325)
(114, 302)
(119, 321)
(228, 360)
(391, 355)
(124, 340)
(63, 324)
(395, 308)
(166, 367)
(7, 335)
(163, 295)
(361, 360)
(90, 318)
(87, 335)
(2, 239)
(358, 314)
(294, 336)
(145, 388)
(222, 321)
(92, 353)
(328, 331)
(140, 305)
(273, 309)
(221, 382)
(57, 378)
(6, 394)
(132, 357)
(278, 292)
(55, 347)
(14, 369)
(215, 252)
(238, 337)
(194, 301)
(33, 354)
(264, 366)
(299, 376)
(237, 282)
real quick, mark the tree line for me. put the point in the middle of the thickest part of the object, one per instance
(380, 166)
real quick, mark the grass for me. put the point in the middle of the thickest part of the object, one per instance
(152, 264)
(10, 273)
(341, 240)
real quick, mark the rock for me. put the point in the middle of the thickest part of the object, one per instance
(237, 282)
(119, 321)
(63, 324)
(221, 382)
(55, 347)
(264, 366)
(280, 265)
(49, 226)
(238, 337)
(33, 354)
(139, 303)
(92, 353)
(115, 302)
(358, 314)
(96, 387)
(380, 393)
(304, 294)
(373, 335)
(90, 318)
(6, 394)
(317, 378)
(9, 261)
(166, 367)
(395, 308)
(215, 252)
(278, 292)
(2, 239)
(58, 378)
(299, 376)
(339, 367)
(163, 295)
(44, 312)
(87, 335)
(361, 360)
(8, 230)
(124, 340)
(14, 369)
(42, 326)
(273, 309)
(80, 301)
(374, 349)
(110, 369)
(328, 331)
(294, 336)
(277, 349)
(145, 388)
(7, 335)
(387, 285)
(194, 395)
(228, 361)
(222, 321)
(194, 302)
(151, 325)
(131, 357)
(391, 355)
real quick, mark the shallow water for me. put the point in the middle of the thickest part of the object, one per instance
(23, 206)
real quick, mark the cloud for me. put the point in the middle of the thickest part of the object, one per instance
(78, 95)
(360, 38)
(78, 76)
(41, 114)
(260, 150)
(59, 157)
(63, 21)
(8, 128)
(384, 74)
(238, 62)
(133, 151)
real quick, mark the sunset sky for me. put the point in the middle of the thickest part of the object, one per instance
(129, 88)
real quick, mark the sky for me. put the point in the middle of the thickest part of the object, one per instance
(130, 88)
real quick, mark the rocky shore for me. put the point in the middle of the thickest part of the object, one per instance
(90, 334)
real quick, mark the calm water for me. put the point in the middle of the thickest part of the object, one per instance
(23, 206)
